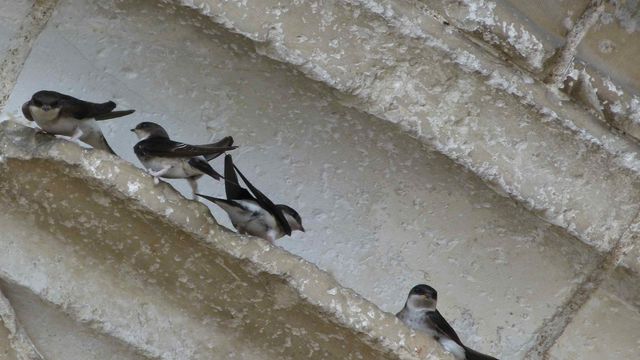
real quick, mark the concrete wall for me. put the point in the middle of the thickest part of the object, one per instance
(514, 201)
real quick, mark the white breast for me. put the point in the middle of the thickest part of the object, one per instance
(179, 167)
(50, 121)
(415, 320)
(40, 115)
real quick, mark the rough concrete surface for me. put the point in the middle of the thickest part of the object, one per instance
(606, 328)
(13, 12)
(469, 118)
(383, 208)
(182, 287)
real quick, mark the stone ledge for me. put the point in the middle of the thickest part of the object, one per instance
(133, 250)
(553, 156)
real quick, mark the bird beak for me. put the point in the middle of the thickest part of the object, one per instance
(46, 107)
(133, 130)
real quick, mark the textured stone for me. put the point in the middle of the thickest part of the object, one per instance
(59, 337)
(373, 199)
(528, 31)
(91, 234)
(11, 15)
(383, 210)
(6, 351)
(612, 46)
(606, 328)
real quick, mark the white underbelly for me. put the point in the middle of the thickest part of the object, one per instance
(61, 126)
(256, 225)
(179, 168)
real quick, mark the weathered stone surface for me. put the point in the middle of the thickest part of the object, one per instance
(12, 14)
(415, 83)
(606, 328)
(612, 46)
(529, 32)
(373, 199)
(91, 220)
(56, 335)
(6, 351)
(383, 210)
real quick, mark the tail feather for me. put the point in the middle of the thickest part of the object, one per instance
(471, 354)
(98, 141)
(225, 142)
(114, 114)
(204, 166)
(215, 200)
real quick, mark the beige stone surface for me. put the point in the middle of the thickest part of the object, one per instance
(11, 15)
(6, 351)
(612, 46)
(56, 335)
(464, 116)
(373, 199)
(173, 284)
(384, 210)
(606, 328)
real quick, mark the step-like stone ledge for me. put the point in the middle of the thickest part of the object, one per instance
(91, 234)
(397, 61)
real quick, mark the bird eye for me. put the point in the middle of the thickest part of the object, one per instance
(54, 104)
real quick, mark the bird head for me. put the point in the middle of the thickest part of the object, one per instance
(422, 297)
(47, 101)
(145, 130)
(292, 216)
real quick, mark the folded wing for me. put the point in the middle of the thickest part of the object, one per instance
(164, 147)
(262, 200)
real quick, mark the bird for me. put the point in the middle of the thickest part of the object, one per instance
(251, 212)
(165, 158)
(420, 313)
(61, 114)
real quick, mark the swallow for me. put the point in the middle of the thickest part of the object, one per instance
(61, 114)
(251, 212)
(420, 313)
(163, 157)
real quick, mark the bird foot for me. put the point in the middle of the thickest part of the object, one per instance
(156, 180)
(76, 135)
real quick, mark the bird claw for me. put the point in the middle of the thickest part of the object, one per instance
(77, 134)
(156, 180)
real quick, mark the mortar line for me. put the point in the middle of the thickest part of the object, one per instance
(553, 328)
(21, 44)
(562, 60)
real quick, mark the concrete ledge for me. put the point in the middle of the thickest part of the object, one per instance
(553, 156)
(155, 272)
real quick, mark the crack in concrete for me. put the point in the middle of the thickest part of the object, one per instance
(21, 44)
(561, 63)
(552, 329)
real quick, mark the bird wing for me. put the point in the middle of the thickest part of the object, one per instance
(264, 201)
(81, 109)
(113, 115)
(232, 187)
(438, 322)
(164, 147)
(26, 112)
